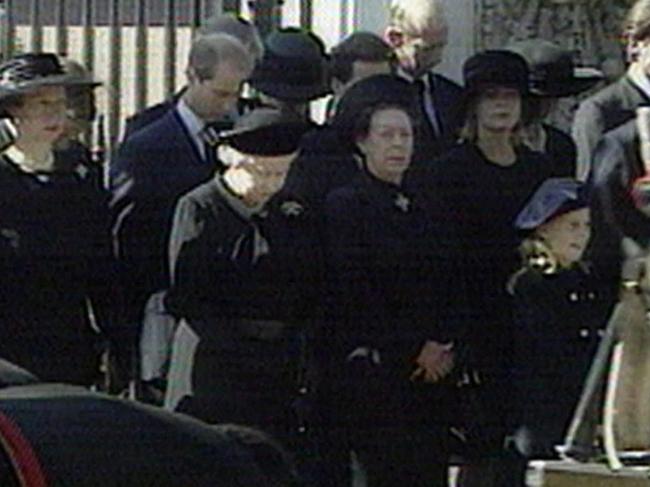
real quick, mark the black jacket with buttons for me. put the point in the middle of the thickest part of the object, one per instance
(558, 318)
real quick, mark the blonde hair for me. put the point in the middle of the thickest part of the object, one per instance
(536, 254)
(469, 130)
(415, 15)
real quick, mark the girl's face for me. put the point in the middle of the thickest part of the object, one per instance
(567, 235)
(498, 109)
(388, 146)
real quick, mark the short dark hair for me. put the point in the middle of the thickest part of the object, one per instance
(360, 46)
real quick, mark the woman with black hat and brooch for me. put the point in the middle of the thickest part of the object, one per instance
(245, 276)
(560, 310)
(394, 330)
(477, 190)
(56, 264)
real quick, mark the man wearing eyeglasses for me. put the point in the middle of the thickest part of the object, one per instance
(417, 32)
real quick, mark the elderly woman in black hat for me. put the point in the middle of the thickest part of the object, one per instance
(245, 274)
(559, 311)
(477, 190)
(328, 158)
(394, 330)
(56, 263)
(552, 76)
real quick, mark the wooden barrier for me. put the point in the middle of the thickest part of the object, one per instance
(573, 474)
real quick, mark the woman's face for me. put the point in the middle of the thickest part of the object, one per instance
(388, 145)
(42, 114)
(255, 178)
(567, 235)
(498, 109)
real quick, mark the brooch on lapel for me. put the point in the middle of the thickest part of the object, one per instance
(402, 202)
(81, 171)
(292, 208)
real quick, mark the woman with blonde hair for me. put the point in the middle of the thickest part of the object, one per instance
(477, 189)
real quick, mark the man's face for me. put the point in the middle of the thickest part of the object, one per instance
(419, 51)
(213, 98)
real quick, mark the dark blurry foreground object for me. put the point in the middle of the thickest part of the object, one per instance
(57, 434)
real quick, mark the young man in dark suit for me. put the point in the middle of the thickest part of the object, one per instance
(155, 166)
(229, 24)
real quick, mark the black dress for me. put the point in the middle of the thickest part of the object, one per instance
(56, 266)
(392, 289)
(479, 200)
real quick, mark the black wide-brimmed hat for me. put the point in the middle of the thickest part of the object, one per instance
(293, 67)
(493, 68)
(552, 198)
(552, 72)
(374, 90)
(267, 132)
(27, 72)
(496, 68)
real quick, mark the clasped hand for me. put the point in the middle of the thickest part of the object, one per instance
(434, 362)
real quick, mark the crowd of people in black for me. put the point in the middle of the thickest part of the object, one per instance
(413, 280)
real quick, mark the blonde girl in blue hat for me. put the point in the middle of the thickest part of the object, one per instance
(559, 310)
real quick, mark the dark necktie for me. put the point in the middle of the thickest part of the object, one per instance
(210, 137)
(426, 110)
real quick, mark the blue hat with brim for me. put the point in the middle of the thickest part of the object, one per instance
(554, 197)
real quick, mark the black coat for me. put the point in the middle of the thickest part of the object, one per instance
(225, 289)
(561, 152)
(558, 322)
(153, 168)
(604, 111)
(55, 260)
(480, 200)
(390, 273)
(393, 287)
